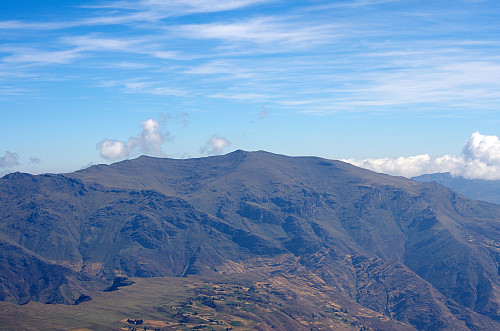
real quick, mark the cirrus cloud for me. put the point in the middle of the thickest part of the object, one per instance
(479, 159)
(10, 159)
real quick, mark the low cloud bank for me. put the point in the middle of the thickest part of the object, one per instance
(147, 142)
(479, 159)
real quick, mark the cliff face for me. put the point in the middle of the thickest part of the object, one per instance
(418, 253)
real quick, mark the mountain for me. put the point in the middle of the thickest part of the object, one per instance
(478, 189)
(418, 254)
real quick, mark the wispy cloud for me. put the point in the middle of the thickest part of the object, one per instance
(139, 86)
(126, 12)
(263, 112)
(271, 34)
(66, 50)
(182, 118)
(34, 160)
(159, 8)
(221, 67)
(253, 97)
(437, 80)
(423, 81)
(97, 43)
(126, 65)
(153, 88)
(349, 4)
(308, 59)
(9, 160)
(21, 25)
(37, 56)
(14, 91)
(215, 146)
(170, 55)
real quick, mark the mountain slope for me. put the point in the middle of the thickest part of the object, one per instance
(417, 253)
(478, 189)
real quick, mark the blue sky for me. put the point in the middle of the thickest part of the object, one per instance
(371, 81)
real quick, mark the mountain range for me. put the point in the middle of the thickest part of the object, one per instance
(414, 255)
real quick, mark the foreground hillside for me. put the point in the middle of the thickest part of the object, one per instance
(409, 254)
(243, 301)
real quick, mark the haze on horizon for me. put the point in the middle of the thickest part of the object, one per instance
(396, 86)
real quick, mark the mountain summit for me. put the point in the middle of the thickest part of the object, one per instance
(419, 254)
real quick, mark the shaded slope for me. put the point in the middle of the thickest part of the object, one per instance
(108, 232)
(26, 276)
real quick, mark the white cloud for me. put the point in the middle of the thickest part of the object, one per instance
(142, 87)
(14, 91)
(148, 142)
(41, 57)
(155, 9)
(10, 159)
(96, 43)
(151, 137)
(124, 12)
(214, 145)
(485, 149)
(350, 3)
(151, 88)
(437, 80)
(480, 159)
(240, 96)
(273, 33)
(332, 58)
(169, 55)
(221, 68)
(20, 25)
(114, 149)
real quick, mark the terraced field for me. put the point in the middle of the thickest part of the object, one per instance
(232, 302)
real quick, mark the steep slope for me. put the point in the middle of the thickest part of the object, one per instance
(107, 232)
(418, 253)
(26, 276)
(478, 189)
